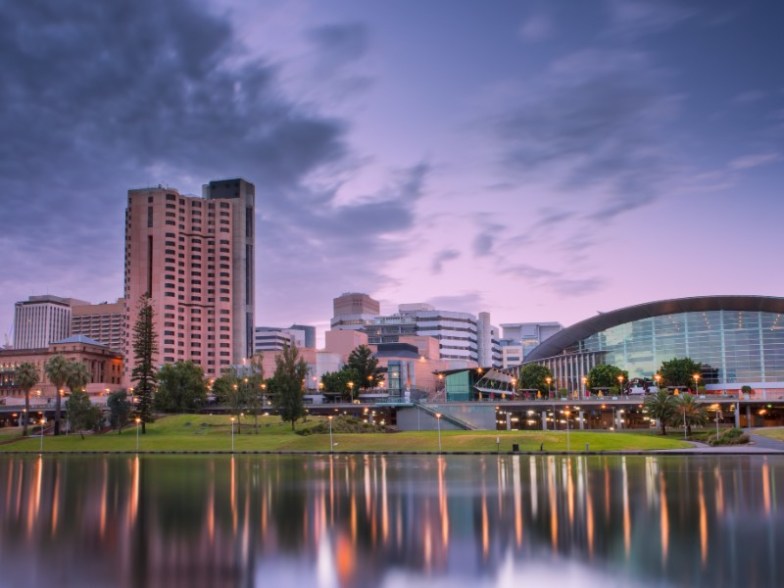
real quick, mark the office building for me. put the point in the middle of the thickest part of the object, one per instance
(276, 339)
(104, 323)
(40, 320)
(518, 339)
(352, 311)
(194, 257)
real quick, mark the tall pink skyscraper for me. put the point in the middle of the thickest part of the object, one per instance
(194, 256)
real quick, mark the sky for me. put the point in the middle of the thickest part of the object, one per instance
(539, 160)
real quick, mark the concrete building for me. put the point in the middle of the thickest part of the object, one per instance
(275, 339)
(462, 338)
(518, 339)
(353, 311)
(310, 334)
(105, 366)
(104, 323)
(39, 320)
(194, 257)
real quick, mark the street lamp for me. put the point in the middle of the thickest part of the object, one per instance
(43, 422)
(331, 445)
(549, 380)
(351, 390)
(585, 386)
(657, 379)
(438, 423)
(620, 384)
(696, 383)
(514, 386)
(232, 434)
(568, 444)
(138, 422)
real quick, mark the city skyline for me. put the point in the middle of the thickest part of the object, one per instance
(540, 161)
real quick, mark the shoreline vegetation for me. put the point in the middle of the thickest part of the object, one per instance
(200, 433)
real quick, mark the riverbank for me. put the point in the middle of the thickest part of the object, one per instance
(213, 433)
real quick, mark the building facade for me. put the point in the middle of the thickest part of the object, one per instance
(194, 258)
(40, 320)
(518, 339)
(104, 323)
(352, 311)
(739, 340)
(276, 339)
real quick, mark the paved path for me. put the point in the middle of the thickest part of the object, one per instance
(766, 442)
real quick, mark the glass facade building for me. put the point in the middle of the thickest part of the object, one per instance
(739, 340)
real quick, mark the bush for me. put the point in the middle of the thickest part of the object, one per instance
(343, 424)
(729, 437)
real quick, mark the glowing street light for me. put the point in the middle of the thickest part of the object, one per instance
(549, 381)
(43, 422)
(331, 444)
(657, 379)
(696, 382)
(138, 422)
(620, 384)
(232, 434)
(438, 422)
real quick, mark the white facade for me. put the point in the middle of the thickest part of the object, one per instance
(41, 320)
(518, 339)
(275, 339)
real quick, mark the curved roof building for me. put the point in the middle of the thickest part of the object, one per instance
(738, 339)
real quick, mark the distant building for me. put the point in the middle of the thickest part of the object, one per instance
(276, 339)
(195, 258)
(310, 334)
(105, 323)
(40, 320)
(104, 365)
(461, 337)
(518, 339)
(353, 311)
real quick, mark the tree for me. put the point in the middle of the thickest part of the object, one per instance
(255, 388)
(180, 387)
(232, 391)
(78, 376)
(689, 411)
(82, 414)
(661, 406)
(338, 382)
(534, 376)
(679, 372)
(606, 376)
(26, 377)
(119, 409)
(57, 369)
(365, 365)
(144, 349)
(288, 381)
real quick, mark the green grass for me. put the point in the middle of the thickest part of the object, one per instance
(776, 433)
(213, 433)
(10, 433)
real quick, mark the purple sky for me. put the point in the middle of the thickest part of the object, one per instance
(538, 160)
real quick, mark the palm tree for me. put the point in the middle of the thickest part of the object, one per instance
(661, 406)
(78, 376)
(689, 411)
(57, 370)
(26, 377)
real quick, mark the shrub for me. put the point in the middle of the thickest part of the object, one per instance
(732, 436)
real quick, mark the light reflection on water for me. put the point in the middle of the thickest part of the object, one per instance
(391, 520)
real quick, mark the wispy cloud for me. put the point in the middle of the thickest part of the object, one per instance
(441, 258)
(642, 17)
(536, 28)
(755, 160)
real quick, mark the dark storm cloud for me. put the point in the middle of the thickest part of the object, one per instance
(100, 97)
(595, 121)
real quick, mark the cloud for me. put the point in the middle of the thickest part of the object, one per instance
(749, 97)
(340, 43)
(536, 28)
(91, 109)
(755, 160)
(442, 257)
(465, 302)
(596, 119)
(636, 18)
(555, 281)
(486, 237)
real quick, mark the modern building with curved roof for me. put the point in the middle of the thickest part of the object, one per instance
(739, 340)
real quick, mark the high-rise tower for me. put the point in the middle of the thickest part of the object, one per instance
(194, 257)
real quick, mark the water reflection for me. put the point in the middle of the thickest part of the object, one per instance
(366, 520)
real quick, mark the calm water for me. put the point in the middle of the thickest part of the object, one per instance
(392, 521)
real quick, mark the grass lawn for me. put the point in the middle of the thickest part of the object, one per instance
(776, 433)
(213, 433)
(10, 433)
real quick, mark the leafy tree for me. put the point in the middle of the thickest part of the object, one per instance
(362, 362)
(689, 411)
(119, 407)
(82, 414)
(661, 406)
(144, 349)
(288, 381)
(57, 370)
(181, 387)
(232, 391)
(606, 376)
(679, 372)
(338, 381)
(26, 377)
(534, 376)
(746, 389)
(255, 388)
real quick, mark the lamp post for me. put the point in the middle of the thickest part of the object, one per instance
(620, 385)
(438, 423)
(138, 422)
(232, 434)
(43, 422)
(331, 445)
(585, 386)
(568, 444)
(351, 390)
(657, 379)
(696, 383)
(514, 387)
(549, 381)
